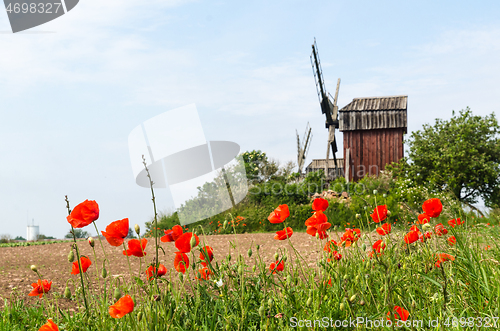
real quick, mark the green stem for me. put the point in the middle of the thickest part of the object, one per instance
(78, 261)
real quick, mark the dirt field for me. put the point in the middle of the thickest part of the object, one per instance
(52, 261)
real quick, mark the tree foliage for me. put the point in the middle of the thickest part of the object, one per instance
(461, 155)
(79, 233)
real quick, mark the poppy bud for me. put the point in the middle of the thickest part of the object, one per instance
(342, 306)
(91, 242)
(71, 256)
(139, 316)
(413, 304)
(33, 267)
(240, 269)
(375, 192)
(181, 276)
(118, 294)
(361, 303)
(249, 253)
(225, 224)
(388, 213)
(363, 247)
(254, 268)
(67, 293)
(352, 298)
(193, 241)
(270, 302)
(262, 310)
(193, 265)
(325, 298)
(426, 227)
(104, 272)
(384, 195)
(258, 247)
(276, 256)
(317, 235)
(309, 301)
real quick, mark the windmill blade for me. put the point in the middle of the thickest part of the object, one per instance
(308, 145)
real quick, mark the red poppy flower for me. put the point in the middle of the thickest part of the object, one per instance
(399, 313)
(379, 246)
(85, 262)
(379, 213)
(40, 288)
(414, 228)
(454, 222)
(283, 234)
(443, 257)
(209, 252)
(278, 266)
(122, 307)
(319, 221)
(432, 207)
(49, 326)
(84, 214)
(336, 255)
(181, 262)
(452, 240)
(350, 236)
(384, 229)
(151, 271)
(136, 247)
(312, 231)
(204, 273)
(330, 246)
(320, 204)
(116, 232)
(172, 235)
(423, 218)
(440, 230)
(183, 243)
(329, 283)
(411, 237)
(279, 214)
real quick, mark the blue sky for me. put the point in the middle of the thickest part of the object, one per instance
(72, 90)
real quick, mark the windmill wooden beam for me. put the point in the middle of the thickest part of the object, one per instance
(302, 150)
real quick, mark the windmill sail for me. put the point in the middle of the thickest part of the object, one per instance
(328, 107)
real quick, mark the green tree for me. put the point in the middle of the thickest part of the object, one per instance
(79, 233)
(461, 155)
(131, 234)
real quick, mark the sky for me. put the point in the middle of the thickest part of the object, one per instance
(73, 89)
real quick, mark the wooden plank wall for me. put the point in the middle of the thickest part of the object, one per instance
(371, 150)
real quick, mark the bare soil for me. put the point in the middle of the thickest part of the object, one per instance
(51, 260)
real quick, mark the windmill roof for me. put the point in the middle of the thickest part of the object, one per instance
(397, 102)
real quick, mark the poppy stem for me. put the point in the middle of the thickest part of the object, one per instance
(128, 261)
(78, 259)
(100, 241)
(157, 262)
(80, 269)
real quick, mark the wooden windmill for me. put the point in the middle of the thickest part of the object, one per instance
(328, 107)
(302, 150)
